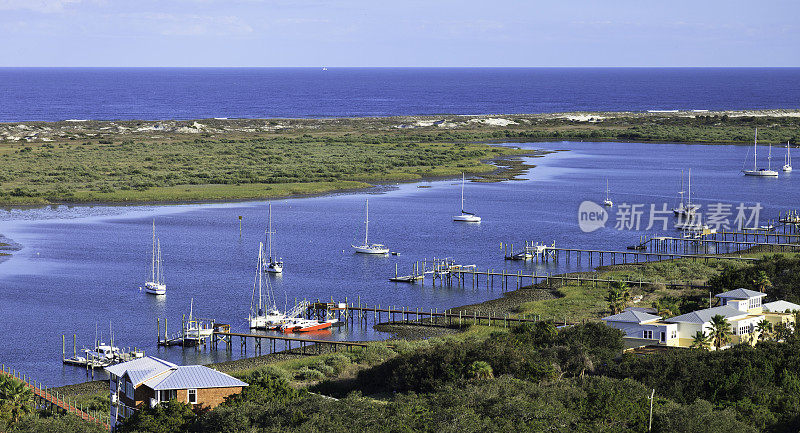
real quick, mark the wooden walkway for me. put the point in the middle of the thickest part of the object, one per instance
(301, 343)
(46, 397)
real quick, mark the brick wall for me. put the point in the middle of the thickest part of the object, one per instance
(209, 397)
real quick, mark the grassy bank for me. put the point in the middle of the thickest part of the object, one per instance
(175, 161)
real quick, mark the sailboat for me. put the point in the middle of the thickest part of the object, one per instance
(465, 216)
(156, 284)
(685, 208)
(788, 166)
(195, 330)
(761, 172)
(263, 315)
(368, 248)
(272, 265)
(607, 202)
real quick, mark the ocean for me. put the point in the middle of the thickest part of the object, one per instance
(52, 94)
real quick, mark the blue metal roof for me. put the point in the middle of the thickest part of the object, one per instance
(741, 294)
(139, 370)
(192, 376)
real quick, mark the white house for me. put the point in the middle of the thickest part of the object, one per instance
(742, 308)
(645, 326)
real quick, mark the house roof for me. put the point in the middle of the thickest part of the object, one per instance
(192, 376)
(140, 369)
(631, 316)
(741, 294)
(704, 316)
(780, 307)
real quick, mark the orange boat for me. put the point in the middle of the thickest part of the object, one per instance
(306, 325)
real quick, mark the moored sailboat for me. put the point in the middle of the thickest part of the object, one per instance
(685, 209)
(272, 264)
(607, 202)
(760, 172)
(263, 315)
(156, 284)
(366, 247)
(465, 216)
(787, 167)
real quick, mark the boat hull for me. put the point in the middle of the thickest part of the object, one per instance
(314, 327)
(155, 288)
(367, 249)
(274, 268)
(467, 218)
(761, 173)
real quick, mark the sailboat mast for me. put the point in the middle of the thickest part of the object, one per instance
(769, 158)
(366, 225)
(755, 151)
(463, 179)
(153, 276)
(158, 269)
(270, 231)
(260, 277)
(689, 200)
(606, 189)
(681, 192)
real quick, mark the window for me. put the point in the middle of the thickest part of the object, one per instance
(167, 394)
(673, 334)
(192, 396)
(647, 334)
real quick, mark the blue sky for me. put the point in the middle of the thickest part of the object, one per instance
(399, 33)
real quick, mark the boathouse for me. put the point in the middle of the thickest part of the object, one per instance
(150, 381)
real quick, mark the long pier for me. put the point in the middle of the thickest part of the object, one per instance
(49, 399)
(301, 343)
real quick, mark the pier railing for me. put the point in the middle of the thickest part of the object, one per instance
(47, 398)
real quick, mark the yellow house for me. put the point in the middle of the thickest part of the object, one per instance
(742, 308)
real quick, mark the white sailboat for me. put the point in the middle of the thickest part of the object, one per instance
(368, 248)
(607, 202)
(761, 172)
(465, 216)
(788, 166)
(685, 209)
(196, 330)
(156, 284)
(263, 315)
(271, 264)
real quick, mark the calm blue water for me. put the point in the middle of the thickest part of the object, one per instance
(28, 94)
(81, 267)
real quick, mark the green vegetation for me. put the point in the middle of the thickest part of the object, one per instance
(776, 275)
(218, 169)
(251, 158)
(530, 378)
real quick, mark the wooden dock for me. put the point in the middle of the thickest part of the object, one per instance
(44, 398)
(300, 343)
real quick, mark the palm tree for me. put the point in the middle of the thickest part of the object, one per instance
(665, 308)
(618, 297)
(16, 396)
(762, 281)
(720, 331)
(764, 329)
(701, 340)
(480, 370)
